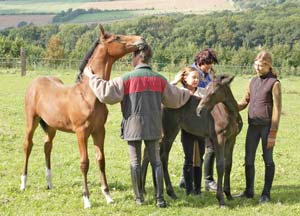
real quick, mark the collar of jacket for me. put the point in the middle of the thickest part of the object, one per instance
(142, 66)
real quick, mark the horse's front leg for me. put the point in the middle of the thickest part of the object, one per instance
(82, 137)
(98, 138)
(228, 165)
(219, 150)
(31, 124)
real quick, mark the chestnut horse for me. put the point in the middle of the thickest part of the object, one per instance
(220, 122)
(75, 108)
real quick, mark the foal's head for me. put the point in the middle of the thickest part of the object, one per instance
(218, 91)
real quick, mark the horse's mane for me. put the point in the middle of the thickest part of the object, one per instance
(219, 78)
(85, 60)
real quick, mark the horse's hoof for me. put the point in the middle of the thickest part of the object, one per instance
(228, 196)
(23, 182)
(86, 202)
(109, 200)
(222, 206)
(172, 195)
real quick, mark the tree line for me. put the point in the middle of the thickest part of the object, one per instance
(175, 38)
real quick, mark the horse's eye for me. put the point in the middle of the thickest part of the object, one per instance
(117, 38)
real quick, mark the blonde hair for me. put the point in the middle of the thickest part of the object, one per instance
(185, 71)
(266, 58)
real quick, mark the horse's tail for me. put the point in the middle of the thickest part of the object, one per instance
(44, 125)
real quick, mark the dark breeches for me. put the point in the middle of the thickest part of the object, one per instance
(255, 133)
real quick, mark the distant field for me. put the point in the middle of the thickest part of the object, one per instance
(40, 10)
(21, 7)
(14, 20)
(111, 16)
(54, 6)
(170, 6)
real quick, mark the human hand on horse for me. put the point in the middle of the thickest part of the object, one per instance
(271, 138)
(88, 72)
(178, 77)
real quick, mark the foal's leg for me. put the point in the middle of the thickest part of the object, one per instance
(171, 128)
(50, 134)
(220, 160)
(82, 138)
(228, 164)
(144, 168)
(98, 138)
(31, 124)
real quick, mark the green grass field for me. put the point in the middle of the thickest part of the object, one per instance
(65, 198)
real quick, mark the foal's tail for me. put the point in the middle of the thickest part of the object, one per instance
(44, 125)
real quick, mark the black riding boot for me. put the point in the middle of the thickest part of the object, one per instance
(188, 178)
(269, 176)
(159, 187)
(250, 174)
(197, 180)
(137, 184)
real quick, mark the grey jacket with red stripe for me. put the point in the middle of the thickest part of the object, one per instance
(141, 93)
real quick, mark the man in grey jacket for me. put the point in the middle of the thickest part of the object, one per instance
(141, 93)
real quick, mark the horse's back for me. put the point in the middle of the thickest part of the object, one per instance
(46, 97)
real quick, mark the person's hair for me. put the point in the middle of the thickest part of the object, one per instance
(145, 54)
(206, 56)
(185, 71)
(266, 58)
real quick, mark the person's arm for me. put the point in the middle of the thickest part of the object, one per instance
(174, 97)
(178, 78)
(109, 92)
(277, 106)
(246, 99)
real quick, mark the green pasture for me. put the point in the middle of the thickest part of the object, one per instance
(65, 198)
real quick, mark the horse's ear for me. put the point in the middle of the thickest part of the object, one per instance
(102, 32)
(228, 80)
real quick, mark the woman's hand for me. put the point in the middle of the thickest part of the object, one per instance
(178, 78)
(88, 72)
(271, 138)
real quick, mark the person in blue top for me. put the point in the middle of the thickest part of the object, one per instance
(203, 63)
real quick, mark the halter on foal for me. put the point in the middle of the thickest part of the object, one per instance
(75, 109)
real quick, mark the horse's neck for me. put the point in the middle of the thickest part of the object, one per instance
(101, 63)
(231, 104)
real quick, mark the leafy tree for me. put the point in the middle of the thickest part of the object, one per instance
(54, 51)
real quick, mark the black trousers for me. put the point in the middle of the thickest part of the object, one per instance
(192, 174)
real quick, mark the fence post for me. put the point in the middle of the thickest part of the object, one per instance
(23, 62)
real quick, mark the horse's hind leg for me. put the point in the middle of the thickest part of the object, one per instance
(98, 138)
(84, 165)
(50, 133)
(144, 168)
(31, 124)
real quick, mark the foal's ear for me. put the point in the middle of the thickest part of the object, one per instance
(227, 80)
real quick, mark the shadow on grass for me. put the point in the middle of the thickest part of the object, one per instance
(285, 194)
